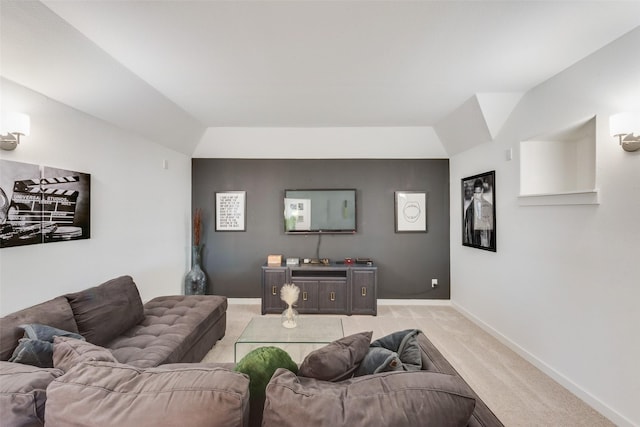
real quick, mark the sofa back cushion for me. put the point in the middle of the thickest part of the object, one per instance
(22, 393)
(104, 312)
(56, 313)
(399, 399)
(196, 396)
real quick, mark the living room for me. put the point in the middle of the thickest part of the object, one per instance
(560, 290)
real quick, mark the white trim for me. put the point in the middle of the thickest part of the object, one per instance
(414, 302)
(257, 301)
(589, 197)
(595, 403)
(444, 302)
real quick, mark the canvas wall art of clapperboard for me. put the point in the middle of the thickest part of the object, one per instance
(41, 204)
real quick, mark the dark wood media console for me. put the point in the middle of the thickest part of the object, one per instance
(324, 289)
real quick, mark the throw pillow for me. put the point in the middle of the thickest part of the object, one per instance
(68, 352)
(338, 360)
(260, 364)
(398, 399)
(36, 348)
(104, 312)
(398, 351)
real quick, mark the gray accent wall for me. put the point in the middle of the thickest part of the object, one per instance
(406, 261)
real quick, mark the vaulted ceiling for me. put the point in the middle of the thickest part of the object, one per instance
(170, 69)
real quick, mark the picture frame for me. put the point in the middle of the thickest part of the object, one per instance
(479, 211)
(410, 211)
(231, 211)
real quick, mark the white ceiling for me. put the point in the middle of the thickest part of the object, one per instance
(296, 63)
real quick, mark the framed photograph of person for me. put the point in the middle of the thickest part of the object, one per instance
(479, 211)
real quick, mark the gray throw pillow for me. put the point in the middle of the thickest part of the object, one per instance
(36, 348)
(338, 360)
(398, 351)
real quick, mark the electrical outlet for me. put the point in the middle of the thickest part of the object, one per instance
(434, 283)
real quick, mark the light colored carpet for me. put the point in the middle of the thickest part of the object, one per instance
(516, 391)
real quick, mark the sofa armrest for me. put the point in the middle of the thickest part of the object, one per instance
(23, 393)
(197, 395)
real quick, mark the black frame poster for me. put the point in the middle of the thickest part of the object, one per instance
(479, 211)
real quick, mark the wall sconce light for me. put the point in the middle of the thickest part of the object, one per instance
(625, 126)
(12, 127)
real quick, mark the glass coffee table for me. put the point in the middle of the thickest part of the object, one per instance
(311, 333)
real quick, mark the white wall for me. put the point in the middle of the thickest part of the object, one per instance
(563, 287)
(140, 212)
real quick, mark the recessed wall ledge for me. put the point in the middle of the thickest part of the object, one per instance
(582, 197)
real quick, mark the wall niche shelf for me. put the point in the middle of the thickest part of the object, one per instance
(559, 168)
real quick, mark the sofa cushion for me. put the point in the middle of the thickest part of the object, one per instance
(399, 399)
(56, 313)
(260, 364)
(22, 393)
(337, 360)
(121, 395)
(106, 311)
(68, 352)
(172, 327)
(36, 348)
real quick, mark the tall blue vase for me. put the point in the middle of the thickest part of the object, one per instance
(195, 282)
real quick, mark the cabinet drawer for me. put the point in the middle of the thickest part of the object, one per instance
(363, 292)
(308, 298)
(272, 281)
(332, 297)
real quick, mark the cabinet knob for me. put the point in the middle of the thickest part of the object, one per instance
(363, 291)
(304, 296)
(274, 290)
(332, 296)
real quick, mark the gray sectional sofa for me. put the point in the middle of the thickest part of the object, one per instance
(166, 330)
(117, 362)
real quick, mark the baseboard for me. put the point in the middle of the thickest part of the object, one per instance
(414, 302)
(445, 302)
(614, 416)
(246, 301)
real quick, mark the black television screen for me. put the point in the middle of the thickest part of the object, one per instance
(320, 211)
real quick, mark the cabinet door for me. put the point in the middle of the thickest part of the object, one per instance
(308, 298)
(363, 292)
(272, 281)
(332, 296)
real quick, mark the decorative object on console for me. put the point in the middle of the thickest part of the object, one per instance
(411, 211)
(479, 211)
(12, 127)
(195, 282)
(625, 126)
(274, 260)
(289, 294)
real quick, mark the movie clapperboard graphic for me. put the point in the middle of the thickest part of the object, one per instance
(39, 207)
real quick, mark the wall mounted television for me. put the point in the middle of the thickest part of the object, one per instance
(320, 211)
